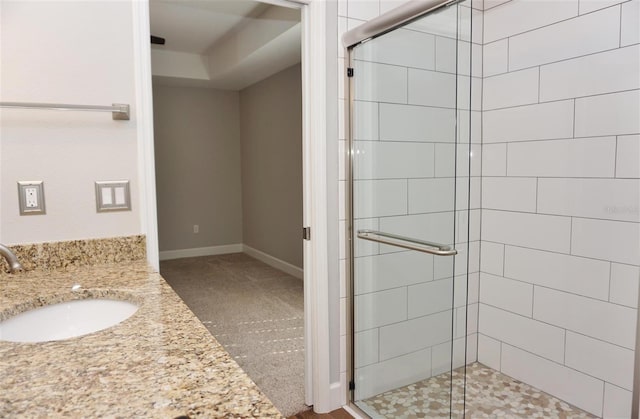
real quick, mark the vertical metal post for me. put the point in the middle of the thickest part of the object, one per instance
(348, 74)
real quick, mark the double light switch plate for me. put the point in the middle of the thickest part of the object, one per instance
(113, 196)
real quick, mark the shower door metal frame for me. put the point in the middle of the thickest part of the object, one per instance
(374, 28)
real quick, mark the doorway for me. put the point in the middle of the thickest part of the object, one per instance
(228, 146)
(323, 386)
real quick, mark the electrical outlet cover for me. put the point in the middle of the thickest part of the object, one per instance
(31, 197)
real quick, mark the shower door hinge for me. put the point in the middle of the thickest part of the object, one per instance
(352, 385)
(349, 72)
(306, 233)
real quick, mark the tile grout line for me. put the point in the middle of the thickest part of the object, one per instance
(604, 388)
(480, 183)
(504, 259)
(574, 118)
(506, 159)
(544, 64)
(533, 293)
(428, 70)
(498, 5)
(539, 81)
(435, 54)
(550, 288)
(407, 85)
(414, 351)
(514, 35)
(620, 27)
(378, 122)
(472, 110)
(576, 332)
(571, 238)
(431, 362)
(552, 361)
(615, 160)
(537, 192)
(566, 99)
(378, 333)
(530, 176)
(407, 212)
(406, 311)
(564, 354)
(559, 254)
(508, 53)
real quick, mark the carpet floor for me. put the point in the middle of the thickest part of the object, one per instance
(255, 312)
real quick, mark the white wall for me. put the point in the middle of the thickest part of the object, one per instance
(66, 52)
(561, 197)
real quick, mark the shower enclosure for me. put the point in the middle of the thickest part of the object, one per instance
(543, 325)
(410, 143)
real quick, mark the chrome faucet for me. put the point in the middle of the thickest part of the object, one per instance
(11, 258)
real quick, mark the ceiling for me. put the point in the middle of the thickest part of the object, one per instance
(193, 26)
(225, 44)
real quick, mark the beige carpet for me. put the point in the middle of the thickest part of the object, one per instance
(256, 312)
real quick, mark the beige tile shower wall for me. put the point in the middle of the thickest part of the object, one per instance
(197, 148)
(67, 52)
(404, 133)
(561, 197)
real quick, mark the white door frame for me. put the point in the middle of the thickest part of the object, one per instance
(314, 99)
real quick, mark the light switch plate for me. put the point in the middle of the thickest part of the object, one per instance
(113, 195)
(31, 197)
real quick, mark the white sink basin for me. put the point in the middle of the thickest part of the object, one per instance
(65, 320)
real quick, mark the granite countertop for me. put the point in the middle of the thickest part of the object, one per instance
(161, 362)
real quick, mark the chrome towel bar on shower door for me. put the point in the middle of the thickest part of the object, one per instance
(407, 243)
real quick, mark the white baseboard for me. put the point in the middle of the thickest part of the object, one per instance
(233, 248)
(354, 413)
(273, 261)
(201, 251)
(337, 393)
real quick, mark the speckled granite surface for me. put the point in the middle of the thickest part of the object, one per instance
(161, 362)
(64, 254)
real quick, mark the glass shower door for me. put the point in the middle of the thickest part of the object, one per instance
(408, 104)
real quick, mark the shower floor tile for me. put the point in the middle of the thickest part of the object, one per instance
(490, 394)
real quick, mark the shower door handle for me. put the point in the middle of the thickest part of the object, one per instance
(407, 243)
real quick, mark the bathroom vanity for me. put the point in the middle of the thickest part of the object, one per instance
(160, 362)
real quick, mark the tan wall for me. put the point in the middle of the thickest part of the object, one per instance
(271, 138)
(197, 147)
